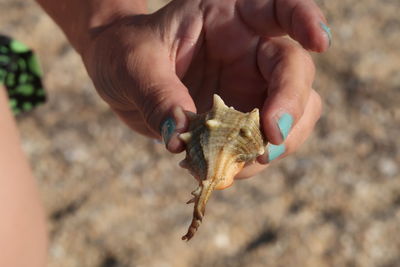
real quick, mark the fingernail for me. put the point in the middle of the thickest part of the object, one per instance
(275, 151)
(285, 123)
(167, 129)
(328, 32)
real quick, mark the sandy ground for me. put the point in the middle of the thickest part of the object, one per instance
(114, 198)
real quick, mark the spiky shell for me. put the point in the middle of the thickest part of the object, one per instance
(218, 145)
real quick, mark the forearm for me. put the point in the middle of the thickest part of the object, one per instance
(78, 18)
(23, 239)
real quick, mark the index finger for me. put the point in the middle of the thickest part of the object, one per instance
(289, 71)
(300, 19)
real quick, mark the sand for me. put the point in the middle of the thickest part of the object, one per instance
(115, 198)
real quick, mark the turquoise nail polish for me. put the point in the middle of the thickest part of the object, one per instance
(167, 129)
(328, 32)
(275, 151)
(285, 124)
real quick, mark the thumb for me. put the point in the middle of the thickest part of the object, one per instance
(160, 97)
(163, 107)
(132, 66)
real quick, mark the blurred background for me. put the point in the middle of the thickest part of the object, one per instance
(116, 199)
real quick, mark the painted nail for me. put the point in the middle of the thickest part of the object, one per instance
(328, 32)
(285, 124)
(275, 151)
(167, 129)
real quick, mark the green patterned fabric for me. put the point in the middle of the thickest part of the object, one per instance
(20, 73)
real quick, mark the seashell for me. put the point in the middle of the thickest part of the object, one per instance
(218, 145)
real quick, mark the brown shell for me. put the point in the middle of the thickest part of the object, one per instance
(218, 145)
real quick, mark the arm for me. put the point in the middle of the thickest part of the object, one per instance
(22, 226)
(78, 18)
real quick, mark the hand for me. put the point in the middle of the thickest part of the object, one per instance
(150, 67)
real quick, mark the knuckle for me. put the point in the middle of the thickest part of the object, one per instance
(299, 53)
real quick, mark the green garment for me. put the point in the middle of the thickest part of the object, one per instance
(20, 73)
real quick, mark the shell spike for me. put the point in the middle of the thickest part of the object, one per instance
(218, 102)
(218, 99)
(192, 200)
(185, 137)
(255, 115)
(212, 124)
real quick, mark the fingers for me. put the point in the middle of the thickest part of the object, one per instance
(289, 71)
(295, 139)
(304, 22)
(299, 133)
(301, 19)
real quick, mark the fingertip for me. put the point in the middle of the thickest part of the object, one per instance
(316, 37)
(175, 145)
(299, 133)
(310, 29)
(180, 120)
(271, 131)
(327, 34)
(263, 159)
(277, 124)
(272, 152)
